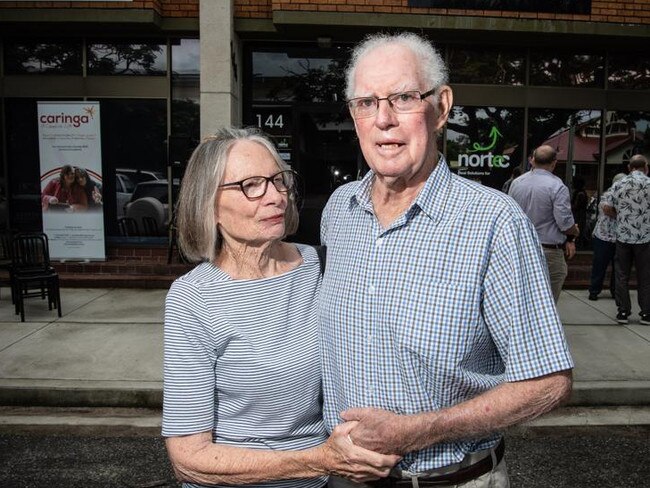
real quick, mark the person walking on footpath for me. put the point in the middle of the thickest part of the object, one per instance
(546, 202)
(604, 246)
(629, 203)
(424, 343)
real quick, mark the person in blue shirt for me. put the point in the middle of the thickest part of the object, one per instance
(438, 327)
(546, 201)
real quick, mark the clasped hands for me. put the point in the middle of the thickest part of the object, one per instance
(370, 442)
(382, 431)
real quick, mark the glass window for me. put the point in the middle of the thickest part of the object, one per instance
(185, 115)
(134, 136)
(626, 134)
(281, 77)
(4, 205)
(575, 135)
(60, 58)
(127, 59)
(629, 71)
(327, 157)
(487, 66)
(552, 69)
(185, 57)
(485, 143)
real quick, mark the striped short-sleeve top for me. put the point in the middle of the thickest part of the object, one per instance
(242, 359)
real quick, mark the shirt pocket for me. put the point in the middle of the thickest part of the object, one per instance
(439, 324)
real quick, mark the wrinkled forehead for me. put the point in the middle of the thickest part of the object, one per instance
(388, 68)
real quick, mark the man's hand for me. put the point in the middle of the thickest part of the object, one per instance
(383, 431)
(570, 249)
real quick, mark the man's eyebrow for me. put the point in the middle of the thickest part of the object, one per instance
(402, 89)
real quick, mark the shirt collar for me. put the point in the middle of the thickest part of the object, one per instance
(541, 170)
(431, 199)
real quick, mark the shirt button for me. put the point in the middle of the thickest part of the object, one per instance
(371, 289)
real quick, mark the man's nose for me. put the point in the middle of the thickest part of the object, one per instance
(385, 117)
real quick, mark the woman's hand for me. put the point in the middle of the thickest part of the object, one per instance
(342, 458)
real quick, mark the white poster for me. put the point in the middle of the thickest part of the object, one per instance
(71, 179)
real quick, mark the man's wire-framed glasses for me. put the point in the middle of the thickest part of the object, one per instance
(401, 103)
(256, 186)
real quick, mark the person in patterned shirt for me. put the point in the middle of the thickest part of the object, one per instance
(438, 327)
(629, 203)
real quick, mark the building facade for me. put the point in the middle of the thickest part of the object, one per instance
(166, 72)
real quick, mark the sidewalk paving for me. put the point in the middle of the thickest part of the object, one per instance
(106, 351)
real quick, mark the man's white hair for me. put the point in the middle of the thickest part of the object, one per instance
(433, 67)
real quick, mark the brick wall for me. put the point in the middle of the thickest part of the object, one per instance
(166, 8)
(620, 11)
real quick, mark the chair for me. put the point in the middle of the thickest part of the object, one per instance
(32, 274)
(128, 227)
(149, 213)
(150, 226)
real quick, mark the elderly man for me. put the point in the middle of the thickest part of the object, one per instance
(629, 202)
(438, 324)
(546, 201)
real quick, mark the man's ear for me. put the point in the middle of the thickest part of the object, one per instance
(445, 102)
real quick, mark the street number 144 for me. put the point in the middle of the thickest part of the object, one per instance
(270, 121)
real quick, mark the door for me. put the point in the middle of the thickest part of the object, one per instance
(326, 155)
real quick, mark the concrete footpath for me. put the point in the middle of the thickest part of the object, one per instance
(106, 352)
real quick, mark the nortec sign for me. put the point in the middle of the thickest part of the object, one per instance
(473, 160)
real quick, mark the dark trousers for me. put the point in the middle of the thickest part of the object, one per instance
(603, 256)
(626, 255)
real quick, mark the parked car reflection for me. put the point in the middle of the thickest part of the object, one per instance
(140, 175)
(149, 206)
(123, 191)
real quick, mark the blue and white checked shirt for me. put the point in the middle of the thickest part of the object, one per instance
(447, 303)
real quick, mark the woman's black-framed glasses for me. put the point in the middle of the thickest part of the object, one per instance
(256, 186)
(401, 103)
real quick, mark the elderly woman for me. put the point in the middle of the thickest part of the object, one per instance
(242, 379)
(64, 191)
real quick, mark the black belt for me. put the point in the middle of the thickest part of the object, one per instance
(553, 246)
(463, 475)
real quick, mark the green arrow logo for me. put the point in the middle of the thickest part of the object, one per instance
(494, 135)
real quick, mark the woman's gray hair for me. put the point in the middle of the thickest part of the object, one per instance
(198, 236)
(434, 68)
